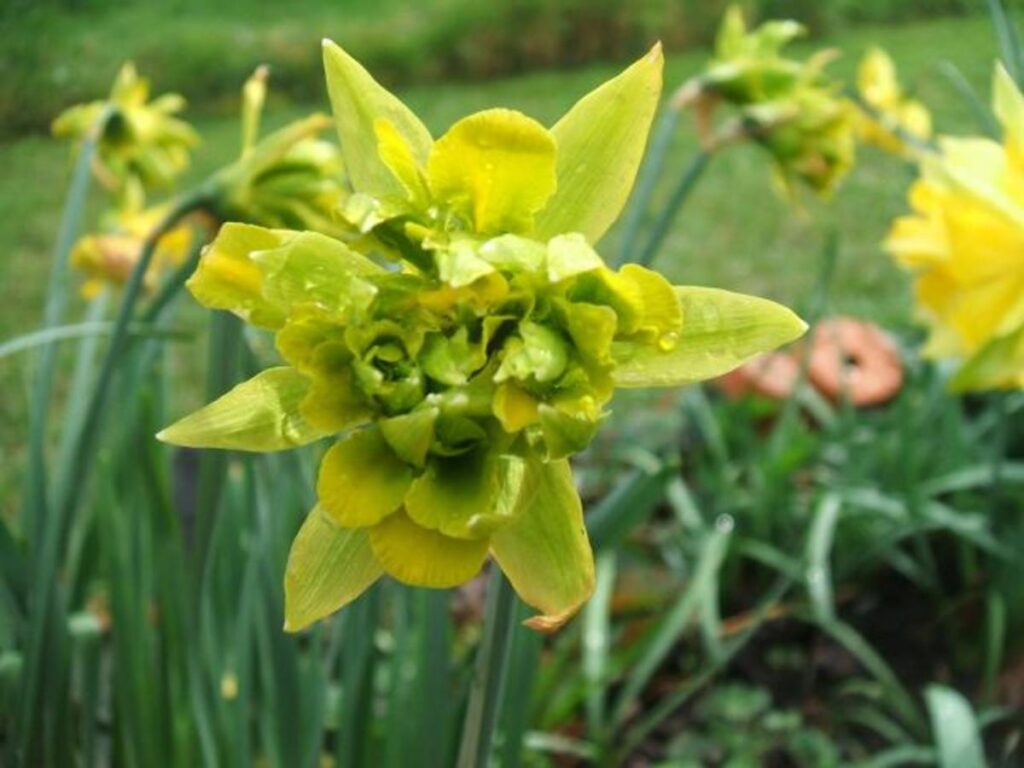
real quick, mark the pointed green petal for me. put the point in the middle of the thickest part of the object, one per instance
(411, 435)
(361, 480)
(721, 330)
(661, 313)
(227, 278)
(496, 168)
(601, 142)
(424, 558)
(458, 495)
(544, 551)
(328, 567)
(358, 102)
(999, 364)
(570, 255)
(398, 156)
(261, 414)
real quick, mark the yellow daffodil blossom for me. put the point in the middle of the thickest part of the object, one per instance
(460, 342)
(141, 144)
(108, 258)
(964, 244)
(789, 107)
(892, 113)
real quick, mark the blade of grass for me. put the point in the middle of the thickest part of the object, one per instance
(666, 633)
(956, 731)
(818, 577)
(1009, 41)
(663, 223)
(596, 644)
(627, 506)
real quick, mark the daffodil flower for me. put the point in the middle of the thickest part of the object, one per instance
(461, 342)
(108, 258)
(964, 244)
(787, 106)
(141, 144)
(893, 115)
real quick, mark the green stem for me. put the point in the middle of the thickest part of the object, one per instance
(646, 181)
(675, 203)
(489, 674)
(33, 509)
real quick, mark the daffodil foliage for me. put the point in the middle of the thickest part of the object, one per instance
(965, 245)
(462, 343)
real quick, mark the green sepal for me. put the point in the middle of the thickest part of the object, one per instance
(328, 567)
(721, 330)
(544, 550)
(458, 495)
(261, 414)
(411, 435)
(601, 142)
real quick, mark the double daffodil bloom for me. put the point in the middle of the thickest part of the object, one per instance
(893, 112)
(109, 258)
(141, 144)
(965, 245)
(461, 343)
(789, 107)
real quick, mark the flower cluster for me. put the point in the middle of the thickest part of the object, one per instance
(965, 245)
(789, 107)
(894, 117)
(141, 145)
(462, 338)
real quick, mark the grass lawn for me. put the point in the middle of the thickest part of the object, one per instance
(735, 233)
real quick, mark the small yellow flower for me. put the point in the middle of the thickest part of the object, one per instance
(893, 112)
(965, 245)
(108, 258)
(141, 144)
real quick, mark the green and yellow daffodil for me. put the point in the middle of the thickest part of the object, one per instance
(894, 117)
(964, 244)
(789, 107)
(461, 342)
(141, 145)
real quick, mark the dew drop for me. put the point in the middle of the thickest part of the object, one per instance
(668, 341)
(724, 524)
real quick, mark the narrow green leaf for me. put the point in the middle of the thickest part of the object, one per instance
(819, 550)
(358, 102)
(261, 414)
(721, 330)
(328, 566)
(955, 729)
(601, 142)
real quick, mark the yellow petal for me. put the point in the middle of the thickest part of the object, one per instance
(424, 558)
(496, 168)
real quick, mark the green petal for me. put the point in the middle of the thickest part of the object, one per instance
(358, 102)
(459, 265)
(328, 567)
(411, 435)
(541, 353)
(458, 495)
(496, 168)
(566, 433)
(592, 328)
(361, 480)
(544, 551)
(721, 330)
(425, 558)
(398, 156)
(227, 278)
(600, 145)
(315, 270)
(334, 402)
(261, 414)
(570, 255)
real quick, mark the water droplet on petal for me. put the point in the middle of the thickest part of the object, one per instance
(668, 341)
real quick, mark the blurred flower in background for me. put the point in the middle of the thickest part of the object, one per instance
(790, 107)
(108, 258)
(891, 117)
(964, 244)
(142, 146)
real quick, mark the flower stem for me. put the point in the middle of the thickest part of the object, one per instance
(489, 674)
(686, 183)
